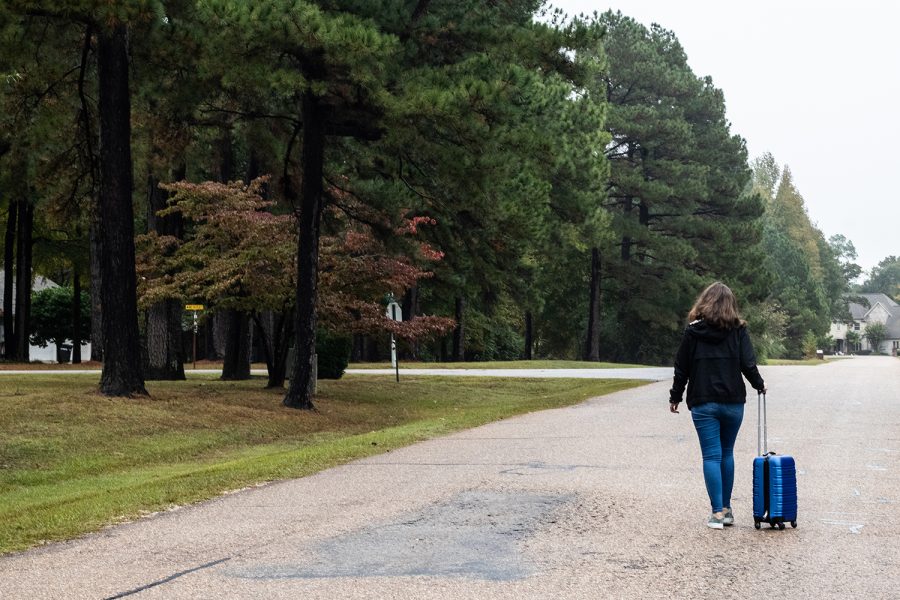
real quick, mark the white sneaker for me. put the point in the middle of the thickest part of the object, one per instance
(728, 519)
(714, 523)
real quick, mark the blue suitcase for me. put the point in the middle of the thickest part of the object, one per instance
(774, 482)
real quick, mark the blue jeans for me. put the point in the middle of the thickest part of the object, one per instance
(717, 426)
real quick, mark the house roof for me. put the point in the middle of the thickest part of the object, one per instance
(40, 283)
(859, 312)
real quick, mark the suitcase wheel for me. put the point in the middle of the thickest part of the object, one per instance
(781, 526)
(756, 524)
(794, 524)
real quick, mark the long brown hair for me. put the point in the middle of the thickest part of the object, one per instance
(717, 306)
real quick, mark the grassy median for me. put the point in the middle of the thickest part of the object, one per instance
(788, 362)
(501, 364)
(72, 461)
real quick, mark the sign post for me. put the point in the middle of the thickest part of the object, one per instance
(194, 308)
(394, 313)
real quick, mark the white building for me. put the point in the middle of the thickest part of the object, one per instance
(36, 353)
(882, 309)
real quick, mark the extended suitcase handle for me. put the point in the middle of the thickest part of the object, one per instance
(762, 444)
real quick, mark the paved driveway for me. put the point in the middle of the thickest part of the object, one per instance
(600, 500)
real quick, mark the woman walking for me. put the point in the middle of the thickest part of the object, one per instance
(715, 350)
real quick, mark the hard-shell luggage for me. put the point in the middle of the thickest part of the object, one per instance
(774, 481)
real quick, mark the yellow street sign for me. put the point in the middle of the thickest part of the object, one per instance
(193, 307)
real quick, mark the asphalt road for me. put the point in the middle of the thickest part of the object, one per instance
(600, 500)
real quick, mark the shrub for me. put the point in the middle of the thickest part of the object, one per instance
(333, 352)
(767, 324)
(810, 345)
(825, 343)
(875, 334)
(495, 336)
(51, 317)
(853, 339)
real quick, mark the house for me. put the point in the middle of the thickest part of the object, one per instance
(882, 309)
(36, 353)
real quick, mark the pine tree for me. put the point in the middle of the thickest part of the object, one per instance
(884, 278)
(168, 88)
(505, 147)
(47, 164)
(105, 32)
(808, 282)
(675, 189)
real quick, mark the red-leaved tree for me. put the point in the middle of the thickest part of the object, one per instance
(239, 253)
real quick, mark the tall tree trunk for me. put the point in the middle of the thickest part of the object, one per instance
(118, 294)
(459, 334)
(643, 213)
(236, 363)
(25, 228)
(96, 304)
(226, 157)
(236, 366)
(529, 335)
(627, 208)
(592, 348)
(164, 355)
(253, 169)
(626, 239)
(357, 353)
(9, 328)
(76, 318)
(411, 309)
(299, 393)
(373, 350)
(275, 329)
(214, 342)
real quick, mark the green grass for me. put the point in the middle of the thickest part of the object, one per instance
(72, 461)
(806, 362)
(500, 364)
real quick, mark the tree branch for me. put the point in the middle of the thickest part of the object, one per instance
(424, 196)
(251, 114)
(61, 16)
(419, 11)
(52, 86)
(287, 184)
(417, 14)
(347, 210)
(358, 130)
(85, 111)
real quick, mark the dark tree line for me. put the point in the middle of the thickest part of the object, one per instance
(579, 181)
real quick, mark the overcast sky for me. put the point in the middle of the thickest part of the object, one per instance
(817, 84)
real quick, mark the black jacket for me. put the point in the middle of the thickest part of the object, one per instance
(710, 361)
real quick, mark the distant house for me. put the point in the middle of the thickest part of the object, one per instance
(882, 309)
(36, 353)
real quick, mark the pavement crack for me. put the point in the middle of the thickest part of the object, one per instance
(168, 579)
